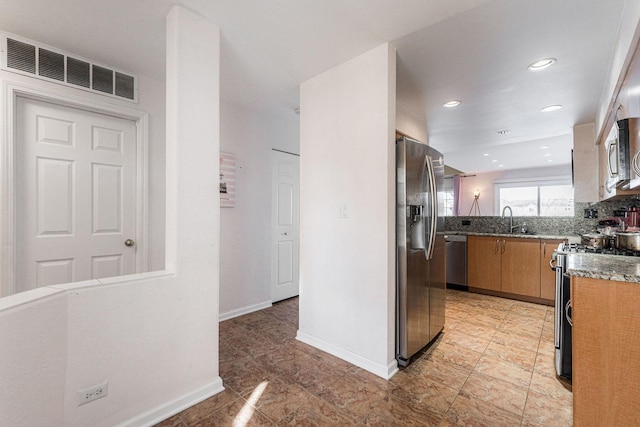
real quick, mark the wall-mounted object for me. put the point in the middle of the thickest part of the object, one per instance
(227, 180)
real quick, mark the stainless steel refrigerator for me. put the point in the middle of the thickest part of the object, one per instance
(421, 247)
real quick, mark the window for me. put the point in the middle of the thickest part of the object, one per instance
(448, 202)
(448, 197)
(544, 198)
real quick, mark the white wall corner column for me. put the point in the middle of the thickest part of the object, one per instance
(152, 336)
(585, 163)
(347, 211)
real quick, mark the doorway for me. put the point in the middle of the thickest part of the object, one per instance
(285, 224)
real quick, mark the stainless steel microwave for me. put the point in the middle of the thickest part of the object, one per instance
(618, 156)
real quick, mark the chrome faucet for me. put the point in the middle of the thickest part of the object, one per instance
(511, 226)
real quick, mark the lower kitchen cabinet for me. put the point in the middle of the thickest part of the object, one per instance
(547, 275)
(521, 266)
(605, 352)
(512, 265)
(483, 262)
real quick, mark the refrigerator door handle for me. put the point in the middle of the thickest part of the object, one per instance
(434, 210)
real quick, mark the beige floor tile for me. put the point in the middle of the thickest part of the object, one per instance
(478, 331)
(207, 407)
(502, 394)
(520, 356)
(353, 397)
(514, 338)
(467, 411)
(239, 412)
(318, 412)
(457, 355)
(545, 363)
(395, 412)
(422, 392)
(443, 373)
(550, 385)
(462, 339)
(500, 369)
(548, 410)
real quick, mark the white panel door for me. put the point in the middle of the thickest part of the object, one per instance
(285, 225)
(75, 177)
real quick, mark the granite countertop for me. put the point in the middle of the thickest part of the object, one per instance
(570, 238)
(606, 267)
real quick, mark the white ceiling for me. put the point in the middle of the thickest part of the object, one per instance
(473, 50)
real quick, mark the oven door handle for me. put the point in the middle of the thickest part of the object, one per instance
(567, 307)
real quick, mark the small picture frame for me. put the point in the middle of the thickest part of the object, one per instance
(227, 180)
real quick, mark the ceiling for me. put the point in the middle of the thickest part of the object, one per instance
(476, 51)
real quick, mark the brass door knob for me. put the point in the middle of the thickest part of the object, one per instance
(129, 242)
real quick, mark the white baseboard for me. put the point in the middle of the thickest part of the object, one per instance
(383, 371)
(169, 409)
(244, 310)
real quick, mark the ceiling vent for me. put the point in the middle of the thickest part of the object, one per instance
(25, 57)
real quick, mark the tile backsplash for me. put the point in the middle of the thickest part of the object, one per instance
(544, 225)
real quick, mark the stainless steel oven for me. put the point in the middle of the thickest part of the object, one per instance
(562, 329)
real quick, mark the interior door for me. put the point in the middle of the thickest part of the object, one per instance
(285, 225)
(75, 178)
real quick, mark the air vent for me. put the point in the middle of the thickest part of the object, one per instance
(78, 72)
(24, 57)
(21, 56)
(51, 64)
(102, 79)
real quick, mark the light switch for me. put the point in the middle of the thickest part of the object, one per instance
(342, 212)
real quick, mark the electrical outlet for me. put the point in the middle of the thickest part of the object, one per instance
(92, 393)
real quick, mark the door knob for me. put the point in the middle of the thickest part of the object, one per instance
(285, 234)
(129, 242)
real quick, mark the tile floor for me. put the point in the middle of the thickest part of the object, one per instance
(492, 366)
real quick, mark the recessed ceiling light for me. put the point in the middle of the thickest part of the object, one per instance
(542, 64)
(551, 108)
(547, 154)
(494, 161)
(550, 160)
(500, 166)
(504, 132)
(544, 147)
(486, 154)
(450, 104)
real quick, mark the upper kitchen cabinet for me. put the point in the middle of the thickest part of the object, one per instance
(585, 156)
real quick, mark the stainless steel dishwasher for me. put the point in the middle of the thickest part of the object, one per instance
(456, 259)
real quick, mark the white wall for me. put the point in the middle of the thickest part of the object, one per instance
(347, 265)
(411, 123)
(245, 230)
(154, 336)
(485, 182)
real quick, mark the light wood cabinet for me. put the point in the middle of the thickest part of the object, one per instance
(547, 275)
(512, 265)
(605, 352)
(521, 266)
(484, 262)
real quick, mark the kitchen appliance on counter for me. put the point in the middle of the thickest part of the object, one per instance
(562, 314)
(420, 254)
